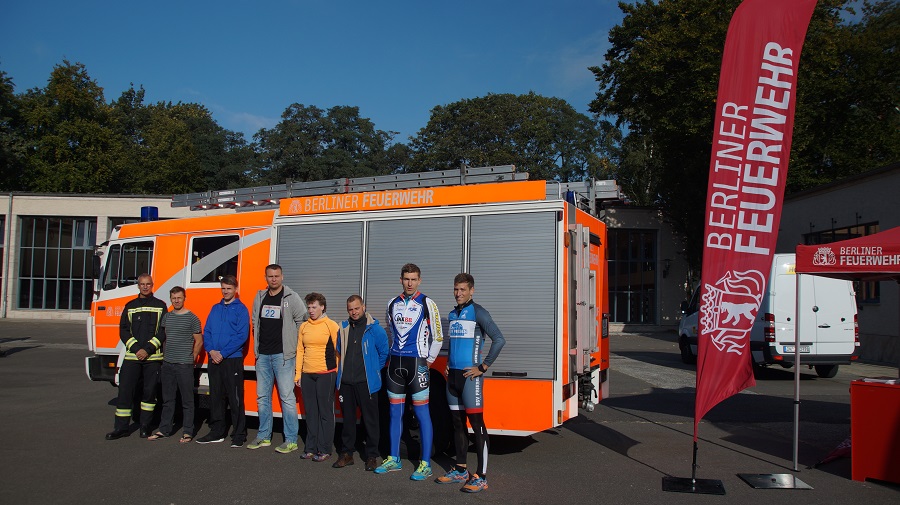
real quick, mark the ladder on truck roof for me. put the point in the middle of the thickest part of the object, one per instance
(263, 196)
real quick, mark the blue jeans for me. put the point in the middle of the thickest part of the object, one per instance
(273, 369)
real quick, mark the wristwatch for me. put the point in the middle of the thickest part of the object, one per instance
(482, 368)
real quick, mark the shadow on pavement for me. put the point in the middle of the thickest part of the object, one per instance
(747, 418)
(740, 408)
(671, 360)
(660, 358)
(9, 351)
(621, 444)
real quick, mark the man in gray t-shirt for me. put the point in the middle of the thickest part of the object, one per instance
(184, 339)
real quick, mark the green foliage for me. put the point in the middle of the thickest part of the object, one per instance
(66, 138)
(72, 148)
(544, 136)
(12, 145)
(660, 80)
(314, 144)
(847, 119)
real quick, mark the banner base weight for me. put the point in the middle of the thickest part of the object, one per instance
(773, 481)
(688, 485)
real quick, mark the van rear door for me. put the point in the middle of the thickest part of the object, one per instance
(782, 302)
(830, 307)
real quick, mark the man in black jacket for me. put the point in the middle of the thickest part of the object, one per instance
(140, 332)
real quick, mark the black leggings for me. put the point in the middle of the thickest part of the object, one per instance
(461, 439)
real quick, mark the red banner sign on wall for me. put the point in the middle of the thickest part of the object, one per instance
(747, 173)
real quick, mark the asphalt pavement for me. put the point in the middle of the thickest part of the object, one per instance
(54, 420)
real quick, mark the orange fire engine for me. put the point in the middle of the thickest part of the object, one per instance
(539, 262)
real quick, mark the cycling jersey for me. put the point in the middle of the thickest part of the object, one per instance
(415, 327)
(469, 324)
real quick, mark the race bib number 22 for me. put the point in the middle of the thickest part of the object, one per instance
(271, 311)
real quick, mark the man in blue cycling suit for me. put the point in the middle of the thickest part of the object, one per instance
(469, 323)
(414, 333)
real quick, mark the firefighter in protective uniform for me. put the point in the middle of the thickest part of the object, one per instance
(141, 333)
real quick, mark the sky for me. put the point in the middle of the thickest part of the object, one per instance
(248, 61)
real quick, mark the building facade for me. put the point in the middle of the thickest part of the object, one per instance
(648, 273)
(47, 247)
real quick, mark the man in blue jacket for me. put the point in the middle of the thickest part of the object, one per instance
(224, 335)
(363, 348)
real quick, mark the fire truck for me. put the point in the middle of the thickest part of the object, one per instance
(539, 260)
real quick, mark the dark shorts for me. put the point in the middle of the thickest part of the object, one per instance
(408, 374)
(465, 394)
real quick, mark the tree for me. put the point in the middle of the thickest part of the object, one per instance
(847, 120)
(177, 148)
(660, 79)
(314, 144)
(544, 136)
(12, 145)
(71, 146)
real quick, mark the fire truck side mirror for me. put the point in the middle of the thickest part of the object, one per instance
(96, 265)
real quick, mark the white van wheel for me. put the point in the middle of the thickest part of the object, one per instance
(687, 357)
(826, 371)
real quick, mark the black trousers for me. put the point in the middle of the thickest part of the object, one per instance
(353, 396)
(130, 374)
(177, 377)
(318, 404)
(226, 380)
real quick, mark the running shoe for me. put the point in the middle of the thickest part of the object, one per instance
(475, 485)
(320, 457)
(423, 472)
(307, 455)
(390, 464)
(287, 447)
(453, 477)
(259, 442)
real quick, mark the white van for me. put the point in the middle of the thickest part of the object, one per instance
(830, 332)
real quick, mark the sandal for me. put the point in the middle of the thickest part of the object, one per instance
(156, 436)
(186, 439)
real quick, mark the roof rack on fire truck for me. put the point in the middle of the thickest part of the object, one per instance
(585, 194)
(262, 196)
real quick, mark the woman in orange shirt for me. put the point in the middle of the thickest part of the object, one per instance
(316, 374)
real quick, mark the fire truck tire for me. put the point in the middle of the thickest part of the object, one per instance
(440, 414)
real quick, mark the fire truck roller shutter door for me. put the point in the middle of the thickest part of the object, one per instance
(513, 258)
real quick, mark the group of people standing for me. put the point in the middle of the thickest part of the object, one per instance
(297, 344)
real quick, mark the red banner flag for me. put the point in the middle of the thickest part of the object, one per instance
(747, 173)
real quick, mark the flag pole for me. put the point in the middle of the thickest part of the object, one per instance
(693, 484)
(786, 480)
(797, 373)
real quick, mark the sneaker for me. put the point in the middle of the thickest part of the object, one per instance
(390, 464)
(320, 457)
(209, 438)
(307, 455)
(421, 473)
(475, 485)
(260, 442)
(237, 444)
(286, 447)
(453, 477)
